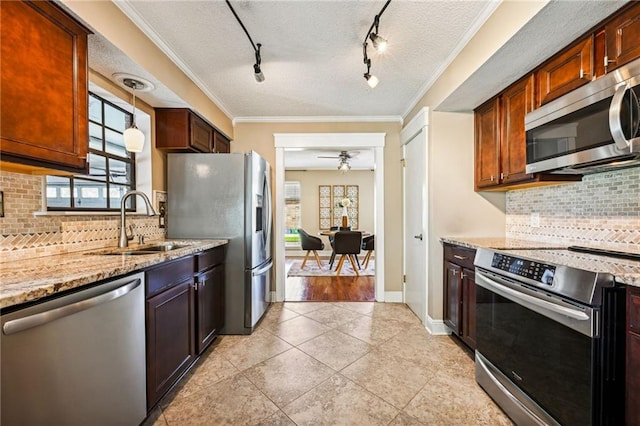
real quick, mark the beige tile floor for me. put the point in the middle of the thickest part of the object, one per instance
(322, 363)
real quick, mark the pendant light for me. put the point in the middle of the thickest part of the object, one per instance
(133, 137)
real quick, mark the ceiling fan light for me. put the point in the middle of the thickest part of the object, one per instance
(133, 139)
(344, 166)
(372, 80)
(379, 43)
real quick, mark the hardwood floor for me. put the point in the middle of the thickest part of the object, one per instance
(330, 289)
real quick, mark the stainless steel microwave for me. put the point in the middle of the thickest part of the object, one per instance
(591, 129)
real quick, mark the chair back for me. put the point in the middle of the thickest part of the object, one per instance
(309, 242)
(368, 243)
(347, 242)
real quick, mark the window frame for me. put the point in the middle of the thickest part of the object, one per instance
(130, 161)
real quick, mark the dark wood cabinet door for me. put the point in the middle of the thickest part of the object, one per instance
(487, 144)
(566, 71)
(453, 296)
(44, 80)
(623, 38)
(220, 143)
(516, 102)
(210, 289)
(469, 307)
(201, 134)
(633, 380)
(180, 130)
(170, 338)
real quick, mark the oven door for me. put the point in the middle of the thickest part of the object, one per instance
(541, 344)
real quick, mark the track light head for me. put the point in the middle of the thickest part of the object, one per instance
(379, 43)
(257, 73)
(372, 80)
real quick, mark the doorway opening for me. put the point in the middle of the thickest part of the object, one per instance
(328, 285)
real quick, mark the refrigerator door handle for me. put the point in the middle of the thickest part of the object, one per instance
(262, 270)
(268, 206)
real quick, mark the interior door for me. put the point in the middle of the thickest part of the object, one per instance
(415, 229)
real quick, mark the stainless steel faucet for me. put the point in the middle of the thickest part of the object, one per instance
(124, 238)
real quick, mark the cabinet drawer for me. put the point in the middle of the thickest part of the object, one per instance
(633, 309)
(168, 274)
(461, 256)
(209, 258)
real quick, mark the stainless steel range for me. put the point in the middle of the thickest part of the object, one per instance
(550, 340)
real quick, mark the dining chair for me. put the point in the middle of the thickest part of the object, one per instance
(347, 245)
(310, 244)
(333, 251)
(368, 244)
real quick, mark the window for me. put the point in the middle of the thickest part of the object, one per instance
(111, 166)
(292, 208)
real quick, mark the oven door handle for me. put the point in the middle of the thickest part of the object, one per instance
(512, 294)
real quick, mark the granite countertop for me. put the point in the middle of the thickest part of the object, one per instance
(625, 271)
(35, 278)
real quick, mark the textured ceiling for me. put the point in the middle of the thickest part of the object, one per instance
(312, 51)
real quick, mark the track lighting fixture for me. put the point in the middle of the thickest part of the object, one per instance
(257, 71)
(379, 43)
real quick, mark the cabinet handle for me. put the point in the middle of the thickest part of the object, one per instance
(454, 272)
(501, 176)
(607, 61)
(583, 74)
(462, 276)
(457, 256)
(195, 286)
(492, 178)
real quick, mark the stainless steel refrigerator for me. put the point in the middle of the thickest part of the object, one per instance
(227, 196)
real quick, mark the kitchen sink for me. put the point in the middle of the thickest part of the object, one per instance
(160, 248)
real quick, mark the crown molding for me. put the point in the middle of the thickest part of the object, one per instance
(475, 27)
(321, 119)
(142, 24)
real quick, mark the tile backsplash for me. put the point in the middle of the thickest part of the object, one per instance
(25, 235)
(601, 211)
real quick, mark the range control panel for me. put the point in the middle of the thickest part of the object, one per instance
(540, 272)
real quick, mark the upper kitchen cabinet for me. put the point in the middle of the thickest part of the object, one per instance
(487, 144)
(221, 144)
(515, 103)
(622, 35)
(44, 81)
(500, 141)
(566, 71)
(181, 130)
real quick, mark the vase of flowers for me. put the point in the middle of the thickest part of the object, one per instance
(344, 203)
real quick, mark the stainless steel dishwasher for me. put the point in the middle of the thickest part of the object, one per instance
(77, 359)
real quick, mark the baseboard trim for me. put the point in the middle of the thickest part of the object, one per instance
(393, 297)
(437, 327)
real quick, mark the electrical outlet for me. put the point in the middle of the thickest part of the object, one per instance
(535, 220)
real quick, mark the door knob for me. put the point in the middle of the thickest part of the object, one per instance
(418, 237)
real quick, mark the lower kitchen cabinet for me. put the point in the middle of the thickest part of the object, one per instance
(184, 314)
(170, 338)
(460, 293)
(210, 296)
(633, 357)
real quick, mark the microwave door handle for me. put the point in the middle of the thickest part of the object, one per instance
(615, 121)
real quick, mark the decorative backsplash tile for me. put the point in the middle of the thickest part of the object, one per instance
(603, 210)
(25, 235)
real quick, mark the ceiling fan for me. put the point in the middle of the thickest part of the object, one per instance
(344, 157)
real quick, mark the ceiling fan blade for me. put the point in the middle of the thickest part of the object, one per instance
(321, 156)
